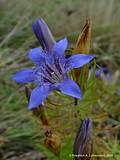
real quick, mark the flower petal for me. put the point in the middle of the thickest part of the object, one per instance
(24, 76)
(48, 37)
(43, 34)
(37, 56)
(37, 30)
(60, 47)
(38, 95)
(78, 60)
(70, 88)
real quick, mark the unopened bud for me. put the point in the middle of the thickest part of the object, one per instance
(83, 146)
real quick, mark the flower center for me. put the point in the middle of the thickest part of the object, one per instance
(51, 73)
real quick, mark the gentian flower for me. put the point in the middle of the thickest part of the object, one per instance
(83, 141)
(103, 73)
(43, 34)
(51, 72)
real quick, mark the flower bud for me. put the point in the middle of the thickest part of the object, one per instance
(82, 149)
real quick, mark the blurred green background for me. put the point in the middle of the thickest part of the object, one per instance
(20, 136)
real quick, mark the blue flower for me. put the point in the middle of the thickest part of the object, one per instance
(103, 73)
(43, 34)
(51, 72)
(51, 67)
(83, 141)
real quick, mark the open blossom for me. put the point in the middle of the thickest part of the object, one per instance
(103, 73)
(51, 71)
(83, 141)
